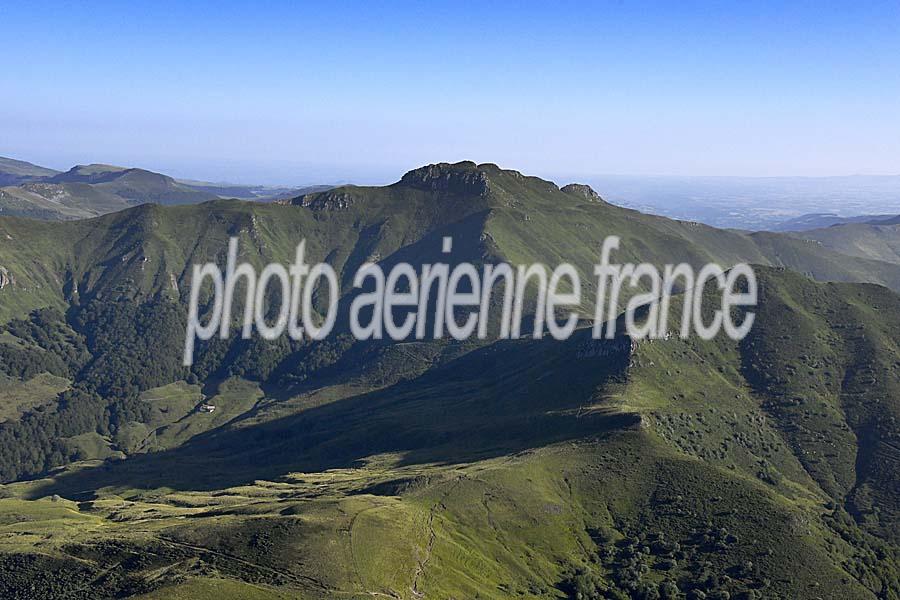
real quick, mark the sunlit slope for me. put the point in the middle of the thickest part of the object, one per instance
(492, 214)
(537, 467)
(808, 401)
(528, 468)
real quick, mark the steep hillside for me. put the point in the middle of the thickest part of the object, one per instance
(534, 468)
(529, 468)
(492, 213)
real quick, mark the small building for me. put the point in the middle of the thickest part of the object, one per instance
(207, 408)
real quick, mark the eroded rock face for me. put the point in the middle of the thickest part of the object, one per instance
(463, 178)
(583, 191)
(337, 200)
(6, 278)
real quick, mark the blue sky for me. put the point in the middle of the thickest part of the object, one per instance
(294, 93)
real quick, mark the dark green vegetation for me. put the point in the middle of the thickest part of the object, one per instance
(529, 468)
(84, 191)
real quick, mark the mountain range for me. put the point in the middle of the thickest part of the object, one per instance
(84, 191)
(534, 468)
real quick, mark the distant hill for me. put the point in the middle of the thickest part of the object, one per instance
(820, 220)
(85, 191)
(878, 240)
(14, 172)
(93, 173)
(134, 186)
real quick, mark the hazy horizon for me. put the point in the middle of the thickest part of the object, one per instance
(303, 94)
(740, 202)
(283, 173)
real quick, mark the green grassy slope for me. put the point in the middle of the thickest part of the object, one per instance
(763, 469)
(21, 396)
(52, 201)
(530, 468)
(494, 214)
(877, 242)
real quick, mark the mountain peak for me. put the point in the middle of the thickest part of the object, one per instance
(459, 178)
(582, 190)
(96, 169)
(91, 173)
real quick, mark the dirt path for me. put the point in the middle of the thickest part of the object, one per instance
(432, 536)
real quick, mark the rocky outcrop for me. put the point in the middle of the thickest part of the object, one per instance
(464, 179)
(6, 278)
(582, 191)
(331, 200)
